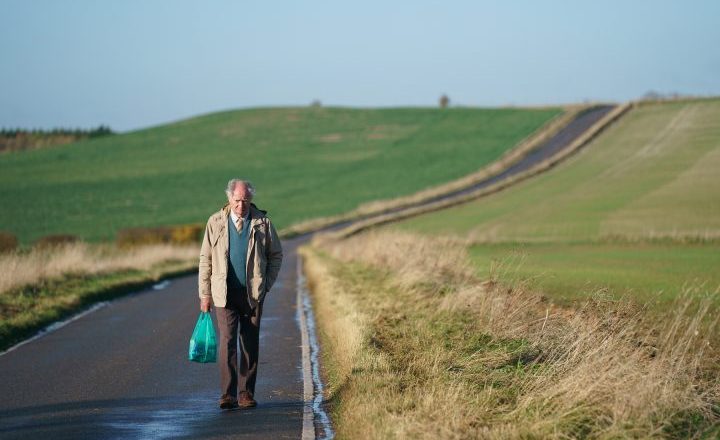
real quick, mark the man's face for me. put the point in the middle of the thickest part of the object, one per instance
(240, 200)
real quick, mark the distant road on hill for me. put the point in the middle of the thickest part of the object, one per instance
(559, 142)
(547, 149)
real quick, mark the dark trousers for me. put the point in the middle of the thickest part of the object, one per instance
(237, 317)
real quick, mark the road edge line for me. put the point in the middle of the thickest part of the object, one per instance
(313, 392)
(56, 326)
(308, 427)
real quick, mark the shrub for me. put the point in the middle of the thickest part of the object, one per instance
(8, 242)
(55, 240)
(186, 234)
(142, 236)
(179, 234)
(444, 101)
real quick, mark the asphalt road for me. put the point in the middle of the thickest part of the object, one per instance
(121, 372)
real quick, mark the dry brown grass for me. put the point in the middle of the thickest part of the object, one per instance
(26, 268)
(434, 352)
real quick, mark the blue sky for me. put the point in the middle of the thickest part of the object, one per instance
(132, 63)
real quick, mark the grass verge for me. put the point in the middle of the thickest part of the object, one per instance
(75, 276)
(417, 346)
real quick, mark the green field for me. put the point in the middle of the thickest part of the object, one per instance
(648, 272)
(305, 162)
(651, 179)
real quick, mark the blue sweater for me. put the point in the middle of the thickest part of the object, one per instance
(236, 279)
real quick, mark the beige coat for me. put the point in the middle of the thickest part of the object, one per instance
(263, 258)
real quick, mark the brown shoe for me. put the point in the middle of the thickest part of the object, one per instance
(245, 400)
(227, 402)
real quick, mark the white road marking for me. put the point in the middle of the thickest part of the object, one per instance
(161, 285)
(55, 326)
(312, 383)
(60, 324)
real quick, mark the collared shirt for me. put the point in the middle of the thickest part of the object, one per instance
(235, 218)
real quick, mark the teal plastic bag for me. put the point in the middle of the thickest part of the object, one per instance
(203, 343)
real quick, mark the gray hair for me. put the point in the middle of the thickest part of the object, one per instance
(233, 182)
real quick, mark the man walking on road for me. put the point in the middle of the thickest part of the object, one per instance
(239, 261)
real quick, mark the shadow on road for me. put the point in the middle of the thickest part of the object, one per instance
(151, 417)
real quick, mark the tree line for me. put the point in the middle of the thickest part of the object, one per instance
(16, 139)
(102, 130)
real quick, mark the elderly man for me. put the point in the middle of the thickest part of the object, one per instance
(239, 262)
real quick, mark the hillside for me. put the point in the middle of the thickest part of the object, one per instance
(637, 210)
(306, 163)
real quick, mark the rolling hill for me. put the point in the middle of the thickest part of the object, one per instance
(305, 162)
(637, 211)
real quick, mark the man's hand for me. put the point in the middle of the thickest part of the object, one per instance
(205, 304)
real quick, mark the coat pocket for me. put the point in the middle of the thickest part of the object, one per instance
(258, 287)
